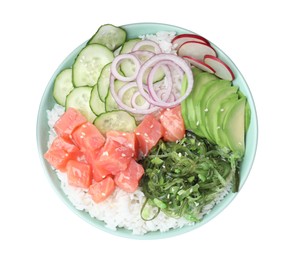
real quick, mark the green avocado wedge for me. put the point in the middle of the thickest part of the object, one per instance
(234, 127)
(217, 111)
(223, 108)
(213, 104)
(205, 94)
(190, 103)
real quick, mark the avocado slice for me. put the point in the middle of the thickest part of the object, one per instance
(187, 106)
(223, 108)
(193, 100)
(186, 114)
(213, 104)
(234, 127)
(205, 94)
(247, 116)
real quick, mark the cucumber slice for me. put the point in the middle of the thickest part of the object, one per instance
(62, 86)
(110, 103)
(103, 82)
(96, 105)
(127, 67)
(79, 99)
(110, 36)
(128, 46)
(89, 64)
(115, 120)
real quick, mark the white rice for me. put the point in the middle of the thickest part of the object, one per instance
(163, 39)
(122, 209)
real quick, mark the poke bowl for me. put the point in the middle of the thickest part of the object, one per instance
(206, 120)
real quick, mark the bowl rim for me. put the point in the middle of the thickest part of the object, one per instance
(121, 232)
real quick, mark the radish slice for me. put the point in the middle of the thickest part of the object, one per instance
(182, 38)
(222, 70)
(196, 50)
(199, 64)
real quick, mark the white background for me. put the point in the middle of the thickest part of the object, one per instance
(37, 35)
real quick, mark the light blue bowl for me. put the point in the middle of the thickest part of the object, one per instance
(48, 102)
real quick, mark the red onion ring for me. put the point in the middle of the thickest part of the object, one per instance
(146, 105)
(124, 106)
(152, 62)
(126, 87)
(142, 43)
(150, 82)
(139, 54)
(118, 60)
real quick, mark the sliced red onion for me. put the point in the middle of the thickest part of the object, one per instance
(145, 105)
(147, 43)
(152, 62)
(143, 56)
(168, 80)
(118, 60)
(124, 106)
(126, 87)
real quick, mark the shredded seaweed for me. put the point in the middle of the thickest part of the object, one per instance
(182, 178)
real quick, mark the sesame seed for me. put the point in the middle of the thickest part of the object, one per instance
(123, 155)
(222, 109)
(105, 153)
(197, 123)
(137, 133)
(206, 110)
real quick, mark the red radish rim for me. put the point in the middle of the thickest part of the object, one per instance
(194, 42)
(192, 60)
(223, 63)
(195, 36)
